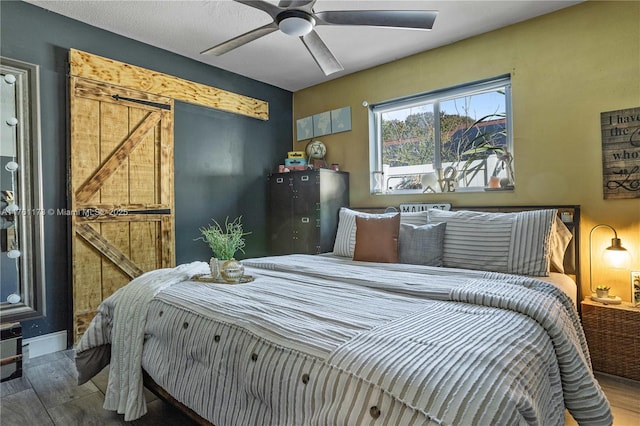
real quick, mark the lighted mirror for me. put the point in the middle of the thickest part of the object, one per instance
(21, 213)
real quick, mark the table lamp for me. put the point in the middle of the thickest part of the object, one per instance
(614, 255)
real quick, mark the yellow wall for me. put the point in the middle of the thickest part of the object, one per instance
(566, 68)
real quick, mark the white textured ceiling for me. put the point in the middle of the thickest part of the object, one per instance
(189, 27)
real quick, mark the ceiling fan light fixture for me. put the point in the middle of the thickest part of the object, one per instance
(295, 23)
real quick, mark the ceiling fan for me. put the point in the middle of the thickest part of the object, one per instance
(297, 18)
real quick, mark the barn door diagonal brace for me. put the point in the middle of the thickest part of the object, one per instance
(101, 244)
(143, 102)
(118, 157)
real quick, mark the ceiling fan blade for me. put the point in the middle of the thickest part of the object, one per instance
(297, 4)
(321, 53)
(265, 6)
(412, 19)
(229, 45)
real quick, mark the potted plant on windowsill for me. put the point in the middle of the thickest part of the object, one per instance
(479, 144)
(602, 291)
(225, 242)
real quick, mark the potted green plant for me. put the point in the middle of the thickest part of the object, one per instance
(478, 144)
(602, 291)
(225, 241)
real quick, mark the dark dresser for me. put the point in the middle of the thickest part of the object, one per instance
(303, 210)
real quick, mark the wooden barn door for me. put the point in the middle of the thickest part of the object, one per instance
(121, 190)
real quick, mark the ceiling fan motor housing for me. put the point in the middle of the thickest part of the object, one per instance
(295, 22)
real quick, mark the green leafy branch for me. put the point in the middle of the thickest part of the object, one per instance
(224, 242)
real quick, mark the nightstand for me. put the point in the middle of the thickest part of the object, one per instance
(613, 336)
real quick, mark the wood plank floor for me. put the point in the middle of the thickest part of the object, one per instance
(48, 394)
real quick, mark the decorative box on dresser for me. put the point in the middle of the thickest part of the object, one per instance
(304, 208)
(613, 336)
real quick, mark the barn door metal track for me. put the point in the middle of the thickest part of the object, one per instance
(143, 102)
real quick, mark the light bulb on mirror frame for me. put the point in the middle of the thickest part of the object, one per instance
(12, 208)
(13, 254)
(11, 166)
(13, 298)
(10, 78)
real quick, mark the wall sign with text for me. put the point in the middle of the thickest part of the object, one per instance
(621, 153)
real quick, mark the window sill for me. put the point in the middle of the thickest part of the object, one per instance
(506, 188)
(475, 190)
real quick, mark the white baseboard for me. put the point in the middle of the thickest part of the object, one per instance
(46, 344)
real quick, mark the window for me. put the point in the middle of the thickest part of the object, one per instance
(456, 139)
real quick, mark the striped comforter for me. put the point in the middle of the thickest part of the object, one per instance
(321, 340)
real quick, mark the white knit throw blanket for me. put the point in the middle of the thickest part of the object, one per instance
(125, 391)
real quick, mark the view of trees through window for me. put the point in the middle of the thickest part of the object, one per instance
(470, 136)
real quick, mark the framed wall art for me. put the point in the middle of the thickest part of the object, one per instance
(621, 153)
(322, 124)
(304, 128)
(341, 120)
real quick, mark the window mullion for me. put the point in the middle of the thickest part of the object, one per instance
(510, 118)
(437, 157)
(375, 145)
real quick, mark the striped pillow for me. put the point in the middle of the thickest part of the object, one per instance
(516, 243)
(345, 242)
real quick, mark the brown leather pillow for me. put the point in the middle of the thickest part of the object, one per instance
(377, 239)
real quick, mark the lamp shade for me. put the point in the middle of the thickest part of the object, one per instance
(615, 255)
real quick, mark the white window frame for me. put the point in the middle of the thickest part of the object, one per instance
(377, 176)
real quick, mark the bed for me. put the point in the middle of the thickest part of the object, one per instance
(329, 340)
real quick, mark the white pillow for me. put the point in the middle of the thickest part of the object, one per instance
(346, 235)
(516, 243)
(560, 239)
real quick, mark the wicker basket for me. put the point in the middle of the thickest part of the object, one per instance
(613, 336)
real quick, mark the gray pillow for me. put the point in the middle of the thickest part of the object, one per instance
(421, 245)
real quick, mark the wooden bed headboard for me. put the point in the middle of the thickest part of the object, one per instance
(569, 214)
